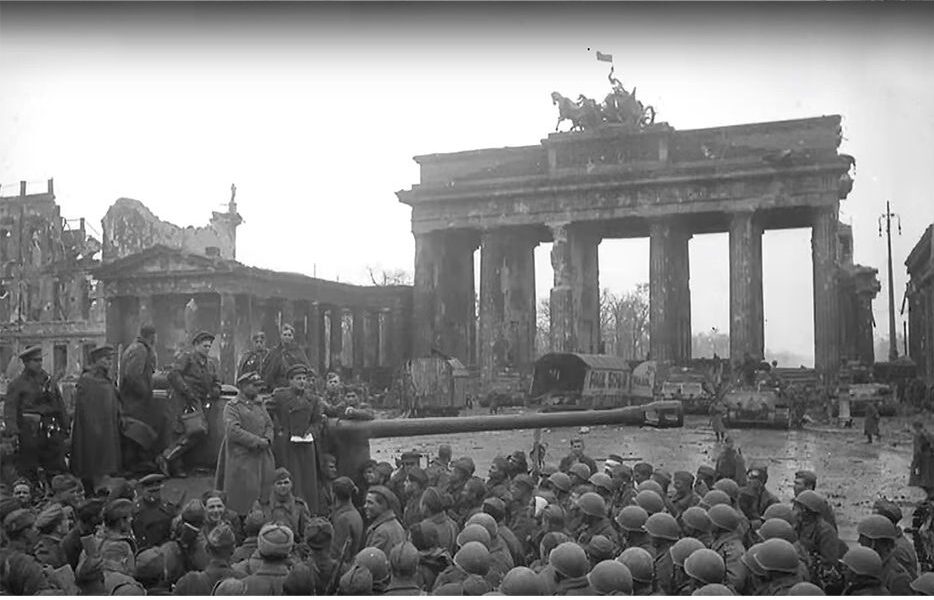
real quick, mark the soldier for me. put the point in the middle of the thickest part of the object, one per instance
(904, 549)
(117, 545)
(717, 409)
(754, 498)
(878, 533)
(274, 545)
(816, 535)
(36, 419)
(152, 516)
(144, 419)
(95, 447)
(922, 463)
(663, 531)
(862, 573)
(347, 538)
(577, 455)
(283, 506)
(282, 358)
(726, 542)
(194, 383)
(571, 566)
(253, 360)
(871, 422)
(382, 508)
(684, 497)
(779, 559)
(594, 518)
(439, 469)
(52, 525)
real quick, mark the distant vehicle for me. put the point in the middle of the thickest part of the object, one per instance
(571, 381)
(862, 394)
(437, 387)
(690, 387)
(758, 406)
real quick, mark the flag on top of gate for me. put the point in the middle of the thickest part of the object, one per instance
(604, 57)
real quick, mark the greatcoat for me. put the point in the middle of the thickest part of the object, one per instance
(95, 442)
(245, 465)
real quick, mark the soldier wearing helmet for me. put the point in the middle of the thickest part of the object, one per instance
(631, 521)
(593, 514)
(663, 531)
(904, 548)
(878, 533)
(862, 572)
(680, 551)
(807, 480)
(779, 559)
(571, 566)
(610, 578)
(816, 536)
(704, 567)
(580, 475)
(473, 558)
(641, 566)
(522, 581)
(924, 585)
(696, 524)
(724, 523)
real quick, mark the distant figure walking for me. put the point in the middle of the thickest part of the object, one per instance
(871, 422)
(716, 412)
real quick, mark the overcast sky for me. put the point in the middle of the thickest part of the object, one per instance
(315, 112)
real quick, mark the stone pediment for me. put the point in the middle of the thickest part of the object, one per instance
(160, 260)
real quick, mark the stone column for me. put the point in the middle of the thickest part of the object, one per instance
(826, 296)
(313, 335)
(336, 318)
(373, 339)
(746, 310)
(561, 300)
(444, 307)
(507, 302)
(146, 310)
(669, 292)
(575, 295)
(385, 348)
(244, 326)
(359, 340)
(865, 352)
(227, 338)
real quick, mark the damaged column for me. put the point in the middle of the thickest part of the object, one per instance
(826, 294)
(359, 340)
(444, 310)
(507, 301)
(575, 296)
(227, 337)
(746, 301)
(669, 292)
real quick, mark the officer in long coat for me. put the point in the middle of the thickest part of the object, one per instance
(143, 418)
(194, 382)
(36, 419)
(295, 413)
(282, 358)
(95, 444)
(245, 464)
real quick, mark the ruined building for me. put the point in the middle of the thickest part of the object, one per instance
(858, 285)
(920, 296)
(47, 296)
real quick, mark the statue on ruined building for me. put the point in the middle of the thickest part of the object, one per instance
(620, 107)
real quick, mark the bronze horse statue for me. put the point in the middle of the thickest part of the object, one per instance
(583, 114)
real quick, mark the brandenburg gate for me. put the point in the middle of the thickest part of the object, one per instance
(619, 177)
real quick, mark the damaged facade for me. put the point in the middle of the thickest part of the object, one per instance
(47, 296)
(859, 285)
(920, 297)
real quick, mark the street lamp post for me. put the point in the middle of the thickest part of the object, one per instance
(888, 216)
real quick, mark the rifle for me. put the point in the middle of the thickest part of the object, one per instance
(336, 575)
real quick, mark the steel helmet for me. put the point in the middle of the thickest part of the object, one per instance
(632, 518)
(730, 487)
(749, 557)
(486, 521)
(705, 565)
(560, 481)
(581, 470)
(592, 504)
(810, 500)
(610, 577)
(474, 533)
(570, 560)
(696, 518)
(375, 561)
(877, 527)
(777, 554)
(805, 588)
(924, 584)
(600, 548)
(779, 511)
(473, 558)
(640, 564)
(778, 528)
(522, 581)
(715, 497)
(863, 561)
(724, 517)
(650, 484)
(713, 589)
(602, 481)
(664, 526)
(650, 501)
(683, 548)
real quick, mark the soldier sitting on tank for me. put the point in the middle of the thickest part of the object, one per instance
(349, 407)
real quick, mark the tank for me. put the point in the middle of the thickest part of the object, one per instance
(757, 407)
(352, 438)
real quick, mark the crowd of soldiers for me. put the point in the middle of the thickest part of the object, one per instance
(280, 520)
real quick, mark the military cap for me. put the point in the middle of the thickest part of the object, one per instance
(524, 479)
(662, 476)
(487, 521)
(632, 518)
(650, 501)
(809, 476)
(424, 535)
(474, 558)
(779, 511)
(621, 470)
(552, 513)
(18, 520)
(610, 578)
(222, 536)
(888, 509)
(300, 581)
(118, 509)
(522, 581)
(643, 468)
(495, 507)
(193, 512)
(297, 369)
(345, 485)
(386, 494)
(683, 548)
(810, 500)
(464, 464)
(152, 480)
(274, 541)
(433, 500)
(253, 522)
(63, 483)
(403, 559)
(318, 533)
(249, 377)
(418, 476)
(476, 585)
(383, 468)
(600, 548)
(706, 471)
(50, 517)
(548, 470)
(806, 588)
(777, 528)
(202, 335)
(90, 509)
(715, 497)
(696, 518)
(150, 564)
(639, 562)
(713, 589)
(31, 353)
(685, 477)
(100, 352)
(358, 581)
(863, 561)
(569, 559)
(876, 527)
(287, 327)
(280, 474)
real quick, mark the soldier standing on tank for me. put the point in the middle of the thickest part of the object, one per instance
(36, 419)
(144, 419)
(194, 384)
(95, 448)
(254, 359)
(282, 358)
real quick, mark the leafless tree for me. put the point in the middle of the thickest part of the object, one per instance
(387, 277)
(624, 322)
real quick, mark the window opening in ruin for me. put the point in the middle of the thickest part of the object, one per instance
(624, 299)
(544, 279)
(59, 360)
(788, 297)
(710, 294)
